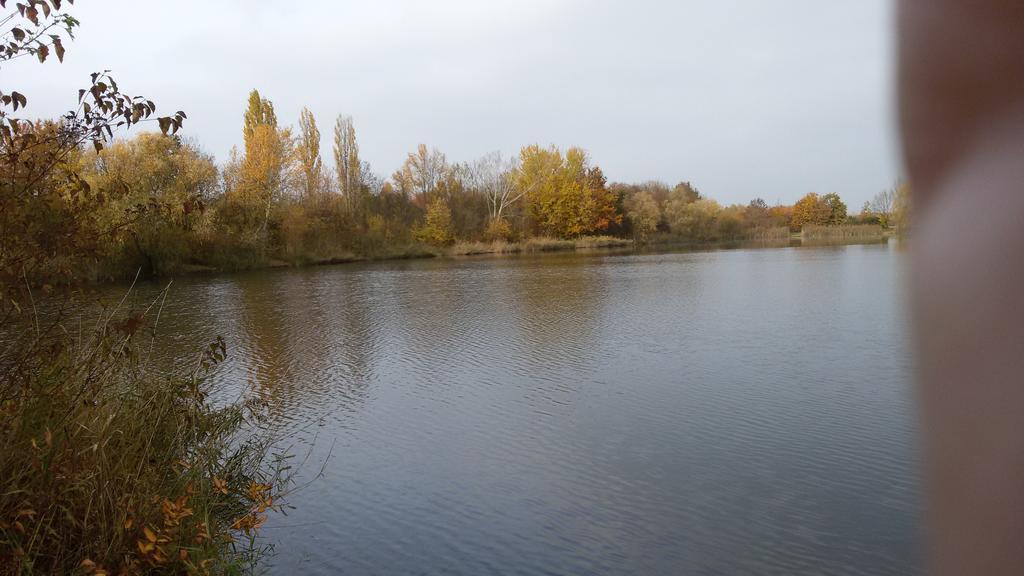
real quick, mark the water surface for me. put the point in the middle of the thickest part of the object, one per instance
(724, 412)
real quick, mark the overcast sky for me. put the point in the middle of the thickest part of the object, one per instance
(744, 98)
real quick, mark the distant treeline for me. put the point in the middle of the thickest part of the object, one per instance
(170, 207)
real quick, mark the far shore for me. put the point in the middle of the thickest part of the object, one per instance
(461, 250)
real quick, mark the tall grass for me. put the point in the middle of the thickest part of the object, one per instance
(536, 244)
(476, 248)
(841, 232)
(105, 468)
(587, 242)
(772, 233)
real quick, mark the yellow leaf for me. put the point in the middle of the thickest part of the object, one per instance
(149, 534)
(202, 533)
(220, 485)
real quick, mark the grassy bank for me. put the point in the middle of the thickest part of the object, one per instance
(536, 245)
(405, 252)
(778, 233)
(773, 233)
(852, 231)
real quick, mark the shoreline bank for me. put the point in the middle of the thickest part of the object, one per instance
(464, 250)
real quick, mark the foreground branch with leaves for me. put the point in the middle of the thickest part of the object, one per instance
(105, 468)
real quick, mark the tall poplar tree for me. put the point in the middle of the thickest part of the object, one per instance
(346, 158)
(309, 154)
(262, 177)
(260, 112)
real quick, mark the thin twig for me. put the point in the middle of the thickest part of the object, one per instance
(31, 300)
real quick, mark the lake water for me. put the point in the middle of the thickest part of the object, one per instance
(739, 411)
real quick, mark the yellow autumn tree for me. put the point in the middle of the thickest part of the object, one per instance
(812, 209)
(307, 150)
(696, 220)
(565, 196)
(261, 177)
(263, 174)
(437, 226)
(421, 174)
(172, 177)
(644, 214)
(901, 207)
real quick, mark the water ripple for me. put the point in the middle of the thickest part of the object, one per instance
(731, 412)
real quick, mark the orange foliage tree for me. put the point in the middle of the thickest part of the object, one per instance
(812, 209)
(566, 196)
